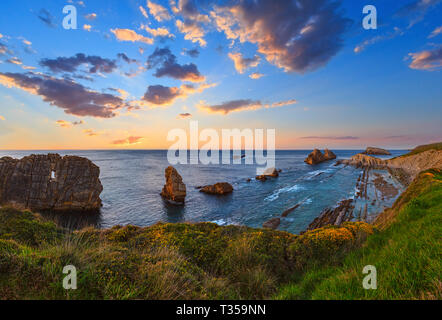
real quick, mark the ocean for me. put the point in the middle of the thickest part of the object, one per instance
(133, 179)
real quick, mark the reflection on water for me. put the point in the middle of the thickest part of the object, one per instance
(133, 179)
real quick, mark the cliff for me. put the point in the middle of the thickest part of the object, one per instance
(50, 182)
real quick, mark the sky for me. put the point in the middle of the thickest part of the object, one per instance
(132, 71)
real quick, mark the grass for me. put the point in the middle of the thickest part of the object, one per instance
(164, 261)
(425, 147)
(406, 253)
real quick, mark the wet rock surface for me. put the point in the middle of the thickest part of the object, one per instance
(174, 191)
(50, 183)
(268, 173)
(219, 188)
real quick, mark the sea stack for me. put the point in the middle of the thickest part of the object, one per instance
(50, 183)
(316, 156)
(174, 190)
(376, 151)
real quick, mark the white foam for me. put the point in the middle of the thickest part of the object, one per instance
(275, 194)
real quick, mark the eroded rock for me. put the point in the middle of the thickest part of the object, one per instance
(376, 151)
(316, 156)
(272, 223)
(50, 182)
(174, 190)
(218, 188)
(268, 173)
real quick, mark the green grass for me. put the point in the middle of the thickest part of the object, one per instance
(164, 261)
(425, 147)
(406, 253)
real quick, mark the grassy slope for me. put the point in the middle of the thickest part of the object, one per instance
(425, 147)
(407, 253)
(165, 261)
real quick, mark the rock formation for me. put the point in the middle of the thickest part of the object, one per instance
(272, 223)
(218, 188)
(268, 173)
(376, 151)
(174, 190)
(316, 156)
(50, 182)
(335, 216)
(405, 168)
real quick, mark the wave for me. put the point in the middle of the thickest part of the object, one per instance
(276, 193)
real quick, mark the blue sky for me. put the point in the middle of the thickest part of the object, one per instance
(322, 80)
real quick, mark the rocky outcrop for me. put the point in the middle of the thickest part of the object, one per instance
(50, 182)
(405, 168)
(268, 173)
(220, 188)
(335, 216)
(272, 223)
(174, 190)
(376, 151)
(316, 156)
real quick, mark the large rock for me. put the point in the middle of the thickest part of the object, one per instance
(174, 190)
(218, 188)
(50, 182)
(268, 173)
(376, 151)
(316, 156)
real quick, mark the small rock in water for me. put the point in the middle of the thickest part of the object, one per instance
(218, 188)
(269, 172)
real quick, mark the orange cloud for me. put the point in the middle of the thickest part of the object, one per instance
(130, 35)
(128, 141)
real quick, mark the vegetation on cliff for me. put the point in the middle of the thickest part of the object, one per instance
(406, 253)
(164, 261)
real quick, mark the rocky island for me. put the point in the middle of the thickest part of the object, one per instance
(174, 191)
(316, 156)
(376, 151)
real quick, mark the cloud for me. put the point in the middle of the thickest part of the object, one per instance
(241, 105)
(91, 16)
(64, 64)
(241, 64)
(87, 27)
(159, 12)
(428, 60)
(143, 12)
(298, 36)
(130, 35)
(256, 75)
(2, 118)
(361, 47)
(125, 58)
(435, 32)
(184, 115)
(4, 49)
(46, 18)
(331, 137)
(194, 53)
(91, 132)
(14, 60)
(167, 65)
(158, 32)
(416, 10)
(68, 95)
(161, 95)
(128, 141)
(68, 124)
(192, 30)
